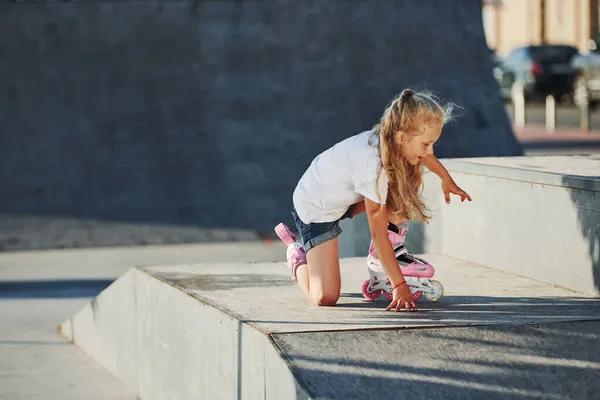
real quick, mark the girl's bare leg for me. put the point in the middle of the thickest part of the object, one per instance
(320, 278)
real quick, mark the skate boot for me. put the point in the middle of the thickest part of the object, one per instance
(416, 271)
(295, 254)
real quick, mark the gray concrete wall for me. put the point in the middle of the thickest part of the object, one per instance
(148, 121)
(538, 217)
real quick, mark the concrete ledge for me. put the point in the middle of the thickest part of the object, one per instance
(538, 217)
(245, 330)
(535, 216)
(572, 172)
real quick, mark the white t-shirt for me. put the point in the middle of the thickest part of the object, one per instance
(339, 177)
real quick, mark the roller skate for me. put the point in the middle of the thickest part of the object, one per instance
(295, 254)
(416, 271)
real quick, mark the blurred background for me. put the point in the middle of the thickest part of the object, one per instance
(548, 47)
(162, 122)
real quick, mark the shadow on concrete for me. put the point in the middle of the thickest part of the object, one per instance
(587, 203)
(552, 361)
(454, 311)
(45, 289)
(478, 309)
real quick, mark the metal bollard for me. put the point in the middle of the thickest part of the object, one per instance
(550, 113)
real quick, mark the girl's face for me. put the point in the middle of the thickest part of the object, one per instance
(414, 148)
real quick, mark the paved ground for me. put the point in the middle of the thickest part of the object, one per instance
(537, 140)
(40, 289)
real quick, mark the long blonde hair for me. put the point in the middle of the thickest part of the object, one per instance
(409, 112)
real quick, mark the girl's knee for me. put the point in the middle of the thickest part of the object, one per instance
(326, 299)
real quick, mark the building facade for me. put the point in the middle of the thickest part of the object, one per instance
(512, 23)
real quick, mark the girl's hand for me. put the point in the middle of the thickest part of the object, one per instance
(448, 186)
(402, 298)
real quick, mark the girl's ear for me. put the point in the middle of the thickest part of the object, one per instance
(399, 138)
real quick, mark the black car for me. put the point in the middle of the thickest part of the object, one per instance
(537, 71)
(586, 69)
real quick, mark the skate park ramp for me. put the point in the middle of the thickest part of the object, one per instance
(140, 122)
(245, 331)
(520, 317)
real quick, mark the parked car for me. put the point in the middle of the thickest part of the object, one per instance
(537, 71)
(586, 69)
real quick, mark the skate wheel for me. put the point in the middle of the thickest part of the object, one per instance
(438, 291)
(370, 295)
(390, 296)
(416, 295)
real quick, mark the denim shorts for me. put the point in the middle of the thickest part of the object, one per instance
(316, 233)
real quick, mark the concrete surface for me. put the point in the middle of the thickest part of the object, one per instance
(571, 172)
(264, 297)
(39, 289)
(495, 334)
(535, 216)
(162, 343)
(550, 203)
(551, 361)
(36, 363)
(133, 122)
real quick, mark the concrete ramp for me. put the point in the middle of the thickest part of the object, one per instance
(134, 122)
(244, 330)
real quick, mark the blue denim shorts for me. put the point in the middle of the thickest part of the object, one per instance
(316, 233)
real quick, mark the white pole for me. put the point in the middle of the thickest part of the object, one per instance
(518, 97)
(585, 116)
(550, 113)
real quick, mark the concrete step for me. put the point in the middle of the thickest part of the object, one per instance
(535, 216)
(245, 330)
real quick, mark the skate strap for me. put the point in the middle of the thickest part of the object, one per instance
(400, 229)
(404, 256)
(400, 250)
(296, 257)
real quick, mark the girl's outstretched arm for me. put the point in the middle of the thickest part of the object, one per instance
(378, 224)
(434, 165)
(448, 185)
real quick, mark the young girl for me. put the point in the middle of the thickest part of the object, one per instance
(377, 171)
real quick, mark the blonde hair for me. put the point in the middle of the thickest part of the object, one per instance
(409, 112)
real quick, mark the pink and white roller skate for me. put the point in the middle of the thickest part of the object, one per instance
(416, 271)
(295, 254)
